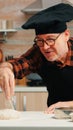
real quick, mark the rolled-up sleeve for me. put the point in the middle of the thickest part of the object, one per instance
(26, 63)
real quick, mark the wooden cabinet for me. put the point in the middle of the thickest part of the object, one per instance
(28, 101)
(31, 101)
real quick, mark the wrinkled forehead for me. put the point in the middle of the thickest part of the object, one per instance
(47, 35)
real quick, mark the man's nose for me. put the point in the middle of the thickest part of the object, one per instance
(46, 46)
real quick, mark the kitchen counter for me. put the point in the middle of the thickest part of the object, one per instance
(30, 89)
(31, 120)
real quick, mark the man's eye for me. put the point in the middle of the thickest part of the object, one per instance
(50, 40)
(39, 40)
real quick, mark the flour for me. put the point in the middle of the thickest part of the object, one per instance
(7, 114)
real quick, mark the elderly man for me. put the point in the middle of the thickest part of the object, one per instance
(51, 57)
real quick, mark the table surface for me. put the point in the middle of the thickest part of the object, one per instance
(32, 119)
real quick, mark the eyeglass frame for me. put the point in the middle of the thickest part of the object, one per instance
(45, 41)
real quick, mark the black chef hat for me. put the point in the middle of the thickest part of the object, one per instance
(50, 20)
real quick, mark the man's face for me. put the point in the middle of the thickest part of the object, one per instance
(53, 46)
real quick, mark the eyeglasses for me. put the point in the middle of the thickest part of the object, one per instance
(49, 41)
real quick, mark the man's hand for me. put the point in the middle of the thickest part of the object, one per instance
(51, 108)
(7, 82)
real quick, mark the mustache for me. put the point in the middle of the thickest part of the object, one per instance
(50, 50)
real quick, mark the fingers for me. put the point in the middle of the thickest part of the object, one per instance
(12, 84)
(6, 87)
(47, 111)
(7, 82)
(1, 83)
(51, 109)
(9, 85)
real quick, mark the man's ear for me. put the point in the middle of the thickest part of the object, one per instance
(67, 34)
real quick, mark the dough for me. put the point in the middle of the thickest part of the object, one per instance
(71, 115)
(59, 114)
(7, 114)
